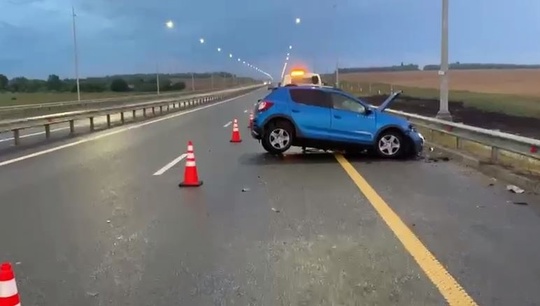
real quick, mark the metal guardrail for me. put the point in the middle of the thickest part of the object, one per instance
(496, 141)
(167, 105)
(32, 109)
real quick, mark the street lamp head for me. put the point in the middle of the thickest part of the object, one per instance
(230, 55)
(219, 49)
(238, 59)
(169, 24)
(201, 40)
(297, 20)
(287, 58)
(290, 47)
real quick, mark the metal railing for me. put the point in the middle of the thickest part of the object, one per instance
(18, 111)
(164, 106)
(497, 142)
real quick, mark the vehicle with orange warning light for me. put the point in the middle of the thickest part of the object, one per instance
(300, 77)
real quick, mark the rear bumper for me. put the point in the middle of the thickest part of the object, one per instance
(256, 132)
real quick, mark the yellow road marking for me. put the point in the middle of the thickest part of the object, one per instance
(447, 285)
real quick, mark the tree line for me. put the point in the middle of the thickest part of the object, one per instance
(117, 83)
(453, 66)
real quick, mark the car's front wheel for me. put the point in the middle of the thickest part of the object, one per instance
(278, 137)
(390, 144)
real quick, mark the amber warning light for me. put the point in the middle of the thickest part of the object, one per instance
(297, 72)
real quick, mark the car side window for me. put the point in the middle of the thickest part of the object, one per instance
(345, 103)
(312, 97)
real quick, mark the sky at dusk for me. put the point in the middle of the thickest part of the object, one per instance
(130, 36)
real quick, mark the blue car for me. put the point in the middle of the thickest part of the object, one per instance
(331, 119)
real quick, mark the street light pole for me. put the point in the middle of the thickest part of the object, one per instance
(444, 113)
(157, 77)
(76, 54)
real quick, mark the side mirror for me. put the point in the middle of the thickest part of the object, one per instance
(368, 111)
(315, 80)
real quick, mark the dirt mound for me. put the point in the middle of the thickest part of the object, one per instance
(524, 126)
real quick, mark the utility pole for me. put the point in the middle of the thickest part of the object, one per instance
(76, 54)
(157, 77)
(444, 113)
(337, 73)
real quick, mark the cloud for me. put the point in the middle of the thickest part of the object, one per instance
(130, 35)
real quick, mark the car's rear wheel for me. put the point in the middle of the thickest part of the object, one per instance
(278, 137)
(390, 144)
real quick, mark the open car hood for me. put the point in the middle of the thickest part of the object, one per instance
(389, 101)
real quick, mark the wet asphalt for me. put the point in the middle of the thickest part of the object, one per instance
(90, 224)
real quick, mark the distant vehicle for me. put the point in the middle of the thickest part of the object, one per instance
(300, 77)
(331, 119)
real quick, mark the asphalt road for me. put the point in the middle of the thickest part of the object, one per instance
(100, 220)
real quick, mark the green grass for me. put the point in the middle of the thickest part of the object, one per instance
(508, 104)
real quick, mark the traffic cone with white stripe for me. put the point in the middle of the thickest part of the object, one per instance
(235, 132)
(9, 295)
(250, 120)
(191, 178)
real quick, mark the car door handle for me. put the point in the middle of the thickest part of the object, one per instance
(337, 116)
(295, 111)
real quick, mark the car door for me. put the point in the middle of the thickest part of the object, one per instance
(351, 120)
(311, 111)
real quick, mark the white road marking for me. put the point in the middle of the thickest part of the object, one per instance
(171, 164)
(227, 124)
(120, 130)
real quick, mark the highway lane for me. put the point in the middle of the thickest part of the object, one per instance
(91, 224)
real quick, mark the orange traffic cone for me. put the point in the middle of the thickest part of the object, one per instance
(250, 120)
(191, 178)
(235, 132)
(9, 295)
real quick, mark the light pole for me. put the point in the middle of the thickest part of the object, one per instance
(444, 113)
(76, 54)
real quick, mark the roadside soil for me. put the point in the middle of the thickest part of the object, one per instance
(524, 126)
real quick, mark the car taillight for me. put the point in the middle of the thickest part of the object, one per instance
(264, 105)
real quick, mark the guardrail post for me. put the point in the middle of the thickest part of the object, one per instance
(71, 127)
(16, 137)
(108, 120)
(47, 131)
(134, 114)
(122, 117)
(153, 110)
(144, 111)
(458, 143)
(91, 123)
(161, 109)
(494, 154)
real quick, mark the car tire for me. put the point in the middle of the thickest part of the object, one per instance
(390, 144)
(278, 137)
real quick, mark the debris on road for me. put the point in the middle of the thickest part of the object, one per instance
(514, 189)
(275, 210)
(518, 203)
(245, 189)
